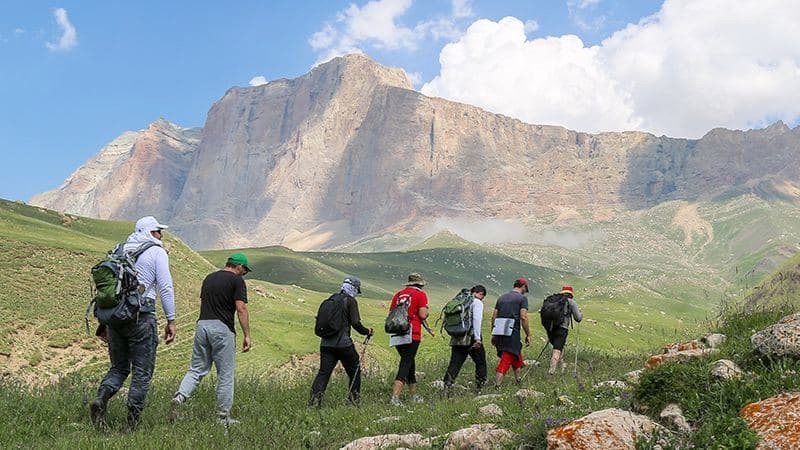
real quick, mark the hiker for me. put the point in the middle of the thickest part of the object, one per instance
(509, 316)
(470, 344)
(557, 335)
(340, 347)
(223, 292)
(417, 312)
(132, 346)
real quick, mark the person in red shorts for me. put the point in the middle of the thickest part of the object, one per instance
(417, 313)
(510, 315)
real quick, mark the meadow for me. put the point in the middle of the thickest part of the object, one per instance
(636, 294)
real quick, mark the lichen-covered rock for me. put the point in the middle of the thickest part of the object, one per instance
(780, 339)
(607, 429)
(776, 420)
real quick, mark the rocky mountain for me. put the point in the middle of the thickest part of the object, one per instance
(350, 151)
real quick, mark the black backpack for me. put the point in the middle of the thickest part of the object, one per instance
(554, 310)
(397, 322)
(116, 292)
(331, 316)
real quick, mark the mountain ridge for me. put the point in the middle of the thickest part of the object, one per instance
(350, 152)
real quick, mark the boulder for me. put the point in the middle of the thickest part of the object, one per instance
(780, 339)
(392, 441)
(713, 340)
(482, 436)
(607, 429)
(672, 414)
(725, 369)
(492, 409)
(776, 420)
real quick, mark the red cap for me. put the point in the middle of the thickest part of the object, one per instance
(567, 290)
(519, 282)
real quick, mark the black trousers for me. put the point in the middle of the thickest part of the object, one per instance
(458, 354)
(407, 370)
(328, 357)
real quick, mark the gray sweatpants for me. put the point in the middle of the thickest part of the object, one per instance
(214, 343)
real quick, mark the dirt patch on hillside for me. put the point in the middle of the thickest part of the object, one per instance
(692, 225)
(36, 364)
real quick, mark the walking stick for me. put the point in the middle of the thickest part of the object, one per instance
(360, 362)
(577, 346)
(528, 369)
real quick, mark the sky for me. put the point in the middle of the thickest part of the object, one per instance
(76, 74)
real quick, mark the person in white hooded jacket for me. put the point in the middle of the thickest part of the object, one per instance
(132, 347)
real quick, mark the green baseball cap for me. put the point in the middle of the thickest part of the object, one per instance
(240, 260)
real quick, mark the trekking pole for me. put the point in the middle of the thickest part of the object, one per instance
(546, 344)
(358, 369)
(577, 346)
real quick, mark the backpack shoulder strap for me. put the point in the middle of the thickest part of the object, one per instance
(144, 246)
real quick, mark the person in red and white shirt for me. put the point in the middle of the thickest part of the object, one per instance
(417, 301)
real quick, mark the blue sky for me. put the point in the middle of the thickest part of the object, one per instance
(74, 74)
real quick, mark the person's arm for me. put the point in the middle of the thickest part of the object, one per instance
(523, 318)
(355, 318)
(167, 293)
(244, 321)
(427, 328)
(477, 321)
(576, 312)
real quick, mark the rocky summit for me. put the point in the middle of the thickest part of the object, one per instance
(350, 151)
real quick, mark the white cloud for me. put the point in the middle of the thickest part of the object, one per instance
(258, 81)
(69, 37)
(377, 25)
(690, 67)
(462, 8)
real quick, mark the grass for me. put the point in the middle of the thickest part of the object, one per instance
(274, 412)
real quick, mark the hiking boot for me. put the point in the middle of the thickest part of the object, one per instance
(133, 419)
(417, 399)
(175, 406)
(354, 399)
(97, 412)
(395, 401)
(227, 420)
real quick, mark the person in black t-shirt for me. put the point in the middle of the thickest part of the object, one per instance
(223, 293)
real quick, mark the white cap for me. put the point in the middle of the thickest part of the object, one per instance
(148, 224)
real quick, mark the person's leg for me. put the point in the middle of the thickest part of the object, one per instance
(200, 363)
(119, 355)
(143, 344)
(412, 374)
(478, 356)
(352, 366)
(458, 354)
(558, 338)
(502, 367)
(223, 353)
(327, 362)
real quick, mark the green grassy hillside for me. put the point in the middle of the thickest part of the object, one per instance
(641, 278)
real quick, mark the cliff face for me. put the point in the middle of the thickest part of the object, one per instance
(350, 150)
(137, 174)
